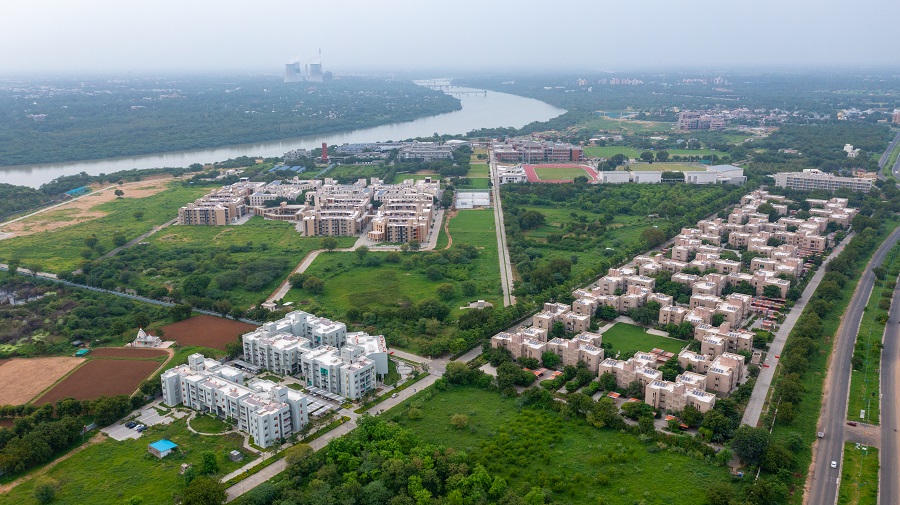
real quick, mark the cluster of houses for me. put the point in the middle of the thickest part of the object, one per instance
(780, 248)
(332, 362)
(397, 212)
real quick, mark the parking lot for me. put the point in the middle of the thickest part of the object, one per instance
(148, 416)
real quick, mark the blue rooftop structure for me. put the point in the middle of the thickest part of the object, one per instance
(162, 448)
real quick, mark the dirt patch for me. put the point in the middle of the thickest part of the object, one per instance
(450, 215)
(82, 209)
(25, 378)
(206, 331)
(127, 352)
(7, 423)
(101, 377)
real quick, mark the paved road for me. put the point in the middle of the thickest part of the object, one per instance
(887, 154)
(764, 379)
(506, 277)
(888, 487)
(824, 481)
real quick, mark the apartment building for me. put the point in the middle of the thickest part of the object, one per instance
(290, 189)
(629, 371)
(319, 350)
(532, 343)
(265, 410)
(511, 174)
(675, 396)
(220, 207)
(406, 210)
(425, 152)
(699, 120)
(816, 179)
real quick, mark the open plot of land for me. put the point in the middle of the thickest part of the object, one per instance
(206, 331)
(101, 377)
(113, 472)
(628, 337)
(58, 249)
(558, 173)
(526, 446)
(127, 352)
(24, 378)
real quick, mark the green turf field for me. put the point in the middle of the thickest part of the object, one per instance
(559, 174)
(627, 337)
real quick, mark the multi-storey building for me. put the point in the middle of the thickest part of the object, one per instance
(816, 179)
(265, 410)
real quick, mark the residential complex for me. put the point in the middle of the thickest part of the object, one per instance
(265, 410)
(220, 207)
(319, 350)
(816, 179)
(511, 174)
(533, 343)
(406, 210)
(700, 120)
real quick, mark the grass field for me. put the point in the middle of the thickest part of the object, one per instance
(666, 167)
(579, 463)
(112, 472)
(627, 337)
(476, 183)
(61, 249)
(632, 153)
(627, 125)
(559, 174)
(859, 476)
(209, 424)
(348, 284)
(478, 170)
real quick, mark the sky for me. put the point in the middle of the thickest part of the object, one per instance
(45, 37)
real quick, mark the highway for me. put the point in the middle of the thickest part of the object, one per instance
(824, 481)
(887, 153)
(888, 487)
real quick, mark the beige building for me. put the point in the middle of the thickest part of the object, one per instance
(816, 179)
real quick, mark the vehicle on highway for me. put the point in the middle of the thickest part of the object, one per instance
(834, 464)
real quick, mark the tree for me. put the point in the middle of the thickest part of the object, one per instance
(119, 239)
(180, 312)
(223, 307)
(530, 219)
(749, 442)
(606, 312)
(550, 359)
(653, 236)
(91, 242)
(691, 416)
(45, 491)
(433, 273)
(138, 215)
(647, 156)
(204, 490)
(361, 252)
(208, 463)
(297, 454)
(772, 291)
(314, 284)
(608, 381)
(446, 291)
(662, 156)
(720, 493)
(414, 245)
(718, 319)
(13, 266)
(118, 193)
(329, 243)
(459, 421)
(196, 284)
(468, 288)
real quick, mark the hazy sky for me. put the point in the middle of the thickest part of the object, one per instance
(40, 36)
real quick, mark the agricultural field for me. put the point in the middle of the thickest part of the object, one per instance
(581, 464)
(25, 378)
(101, 377)
(113, 473)
(128, 352)
(206, 331)
(627, 337)
(62, 248)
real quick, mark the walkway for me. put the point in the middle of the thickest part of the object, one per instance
(767, 373)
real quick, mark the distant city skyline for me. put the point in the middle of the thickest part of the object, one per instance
(94, 36)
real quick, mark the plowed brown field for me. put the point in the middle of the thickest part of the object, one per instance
(101, 377)
(206, 331)
(127, 352)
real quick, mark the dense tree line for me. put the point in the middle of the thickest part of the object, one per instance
(39, 433)
(14, 199)
(102, 119)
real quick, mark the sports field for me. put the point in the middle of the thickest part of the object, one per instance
(558, 173)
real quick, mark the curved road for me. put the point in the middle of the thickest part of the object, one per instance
(824, 481)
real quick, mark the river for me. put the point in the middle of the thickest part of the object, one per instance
(479, 110)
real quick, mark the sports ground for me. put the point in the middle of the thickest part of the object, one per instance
(558, 173)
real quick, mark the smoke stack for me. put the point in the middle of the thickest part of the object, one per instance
(324, 151)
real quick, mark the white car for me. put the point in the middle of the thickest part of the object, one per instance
(395, 395)
(834, 464)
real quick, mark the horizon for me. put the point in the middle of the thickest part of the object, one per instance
(101, 36)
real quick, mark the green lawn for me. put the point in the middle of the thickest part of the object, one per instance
(115, 472)
(388, 285)
(666, 167)
(627, 337)
(610, 151)
(209, 424)
(859, 476)
(559, 174)
(61, 249)
(477, 170)
(577, 463)
(476, 183)
(627, 126)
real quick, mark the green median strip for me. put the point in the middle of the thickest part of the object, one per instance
(859, 475)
